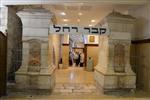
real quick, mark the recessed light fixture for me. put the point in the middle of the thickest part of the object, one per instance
(92, 20)
(63, 13)
(78, 20)
(90, 25)
(65, 20)
(80, 14)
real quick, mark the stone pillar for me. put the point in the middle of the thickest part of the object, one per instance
(35, 72)
(65, 56)
(54, 49)
(113, 71)
(65, 52)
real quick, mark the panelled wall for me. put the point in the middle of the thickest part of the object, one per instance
(140, 62)
(3, 64)
(92, 51)
(141, 47)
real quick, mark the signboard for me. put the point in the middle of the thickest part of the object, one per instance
(59, 29)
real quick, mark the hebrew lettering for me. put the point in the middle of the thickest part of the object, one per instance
(66, 28)
(95, 30)
(57, 28)
(87, 29)
(75, 28)
(102, 30)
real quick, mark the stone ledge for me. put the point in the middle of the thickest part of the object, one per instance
(31, 91)
(114, 74)
(114, 82)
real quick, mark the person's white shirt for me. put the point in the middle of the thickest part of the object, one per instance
(75, 55)
(82, 57)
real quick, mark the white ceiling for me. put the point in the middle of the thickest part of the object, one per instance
(95, 2)
(89, 12)
(91, 9)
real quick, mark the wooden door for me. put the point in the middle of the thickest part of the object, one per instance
(3, 58)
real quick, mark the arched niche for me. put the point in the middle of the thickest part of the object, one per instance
(34, 62)
(119, 58)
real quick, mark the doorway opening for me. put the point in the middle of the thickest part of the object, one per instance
(73, 76)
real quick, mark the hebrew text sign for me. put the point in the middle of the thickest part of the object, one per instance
(58, 29)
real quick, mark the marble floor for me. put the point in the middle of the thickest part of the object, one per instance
(75, 83)
(74, 80)
(74, 75)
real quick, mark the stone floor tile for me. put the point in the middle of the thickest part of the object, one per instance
(56, 90)
(70, 87)
(91, 86)
(82, 91)
(59, 86)
(66, 90)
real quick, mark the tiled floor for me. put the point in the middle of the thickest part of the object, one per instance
(74, 84)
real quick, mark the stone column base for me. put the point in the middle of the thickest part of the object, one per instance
(108, 82)
(35, 80)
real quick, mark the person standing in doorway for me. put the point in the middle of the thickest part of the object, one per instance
(81, 59)
(90, 64)
(70, 58)
(78, 60)
(76, 56)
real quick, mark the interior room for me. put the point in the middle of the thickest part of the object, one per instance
(89, 49)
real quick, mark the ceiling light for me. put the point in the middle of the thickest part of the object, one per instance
(63, 13)
(80, 14)
(65, 20)
(78, 20)
(92, 20)
(90, 25)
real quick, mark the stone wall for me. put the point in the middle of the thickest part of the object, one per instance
(14, 44)
(142, 15)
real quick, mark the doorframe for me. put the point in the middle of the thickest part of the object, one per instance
(3, 88)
